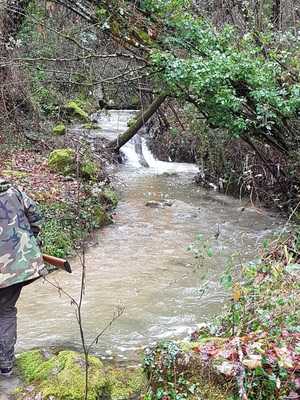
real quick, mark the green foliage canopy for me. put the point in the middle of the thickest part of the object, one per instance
(238, 83)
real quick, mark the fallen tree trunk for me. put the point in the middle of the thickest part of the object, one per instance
(140, 120)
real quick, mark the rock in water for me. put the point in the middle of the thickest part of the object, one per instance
(159, 204)
(153, 204)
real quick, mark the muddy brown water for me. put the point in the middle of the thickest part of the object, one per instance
(141, 262)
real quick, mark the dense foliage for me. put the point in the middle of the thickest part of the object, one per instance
(241, 84)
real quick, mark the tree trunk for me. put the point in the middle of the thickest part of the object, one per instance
(12, 15)
(276, 14)
(141, 119)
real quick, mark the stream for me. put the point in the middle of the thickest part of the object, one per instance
(141, 261)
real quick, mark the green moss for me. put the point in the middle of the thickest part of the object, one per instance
(124, 384)
(91, 125)
(61, 375)
(29, 364)
(74, 108)
(101, 217)
(59, 130)
(131, 122)
(144, 36)
(109, 197)
(62, 161)
(89, 170)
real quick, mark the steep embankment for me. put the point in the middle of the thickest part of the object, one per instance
(66, 174)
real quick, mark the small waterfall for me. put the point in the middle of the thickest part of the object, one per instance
(141, 261)
(136, 151)
(142, 158)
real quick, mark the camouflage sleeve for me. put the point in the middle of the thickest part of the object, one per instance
(32, 214)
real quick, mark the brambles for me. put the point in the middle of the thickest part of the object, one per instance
(252, 349)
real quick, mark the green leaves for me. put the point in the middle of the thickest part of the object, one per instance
(232, 81)
(293, 268)
(226, 280)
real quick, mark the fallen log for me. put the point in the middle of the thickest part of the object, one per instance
(140, 120)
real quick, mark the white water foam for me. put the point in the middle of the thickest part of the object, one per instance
(115, 122)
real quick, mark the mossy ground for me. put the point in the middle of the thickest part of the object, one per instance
(61, 376)
(124, 384)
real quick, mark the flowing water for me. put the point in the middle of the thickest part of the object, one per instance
(142, 262)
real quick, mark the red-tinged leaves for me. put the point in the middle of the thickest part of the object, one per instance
(30, 171)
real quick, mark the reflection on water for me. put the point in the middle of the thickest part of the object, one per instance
(142, 262)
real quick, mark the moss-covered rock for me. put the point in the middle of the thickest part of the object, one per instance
(109, 197)
(62, 161)
(59, 130)
(59, 376)
(74, 109)
(125, 383)
(91, 125)
(89, 170)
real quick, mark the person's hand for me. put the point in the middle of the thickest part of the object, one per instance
(43, 272)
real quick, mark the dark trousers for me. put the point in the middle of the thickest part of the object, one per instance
(8, 324)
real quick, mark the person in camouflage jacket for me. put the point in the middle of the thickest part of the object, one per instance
(20, 262)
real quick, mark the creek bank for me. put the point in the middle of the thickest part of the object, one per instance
(68, 177)
(227, 164)
(251, 351)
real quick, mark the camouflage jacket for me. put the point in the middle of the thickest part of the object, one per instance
(20, 256)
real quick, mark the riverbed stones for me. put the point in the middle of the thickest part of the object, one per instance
(159, 204)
